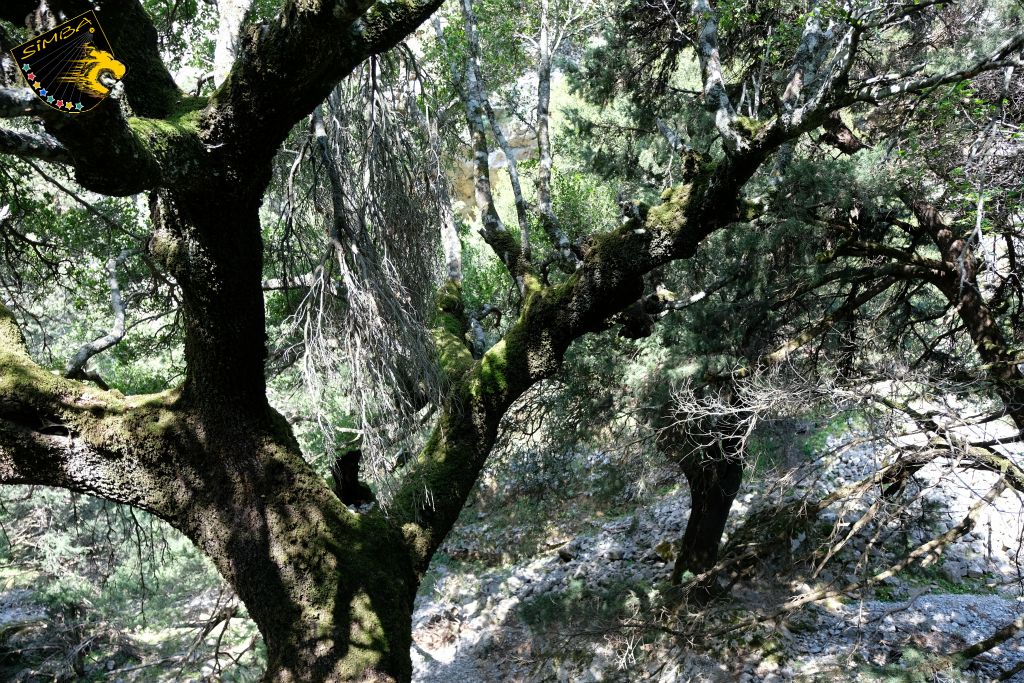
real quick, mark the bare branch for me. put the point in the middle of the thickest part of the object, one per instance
(75, 368)
(893, 85)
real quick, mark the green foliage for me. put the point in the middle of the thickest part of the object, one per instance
(485, 280)
(60, 289)
(583, 204)
(187, 30)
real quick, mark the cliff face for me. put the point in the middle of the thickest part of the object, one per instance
(524, 146)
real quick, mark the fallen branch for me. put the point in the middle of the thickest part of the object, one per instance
(994, 640)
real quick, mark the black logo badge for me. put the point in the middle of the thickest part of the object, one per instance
(71, 67)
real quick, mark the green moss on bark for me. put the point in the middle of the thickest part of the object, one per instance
(11, 339)
(670, 216)
(449, 328)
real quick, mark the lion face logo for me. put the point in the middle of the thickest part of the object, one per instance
(95, 73)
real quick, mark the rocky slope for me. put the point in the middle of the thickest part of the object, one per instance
(558, 615)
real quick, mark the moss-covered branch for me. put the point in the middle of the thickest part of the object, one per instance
(56, 432)
(552, 317)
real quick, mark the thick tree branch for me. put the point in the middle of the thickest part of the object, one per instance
(116, 157)
(33, 146)
(960, 286)
(16, 102)
(56, 432)
(286, 67)
(609, 279)
(111, 156)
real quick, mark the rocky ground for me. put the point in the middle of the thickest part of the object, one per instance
(558, 615)
(578, 591)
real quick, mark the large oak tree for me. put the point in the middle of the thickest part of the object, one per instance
(332, 590)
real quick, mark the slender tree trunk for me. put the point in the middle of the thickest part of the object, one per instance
(478, 106)
(476, 118)
(513, 178)
(714, 482)
(544, 205)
